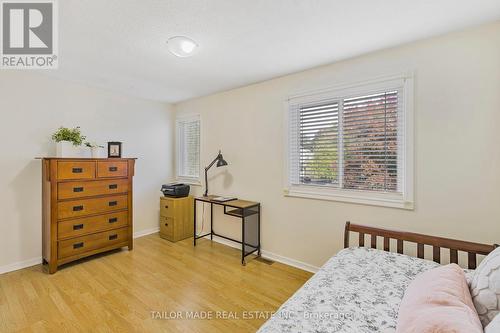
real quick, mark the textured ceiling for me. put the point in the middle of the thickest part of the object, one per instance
(121, 44)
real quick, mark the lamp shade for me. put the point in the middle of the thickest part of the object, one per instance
(221, 161)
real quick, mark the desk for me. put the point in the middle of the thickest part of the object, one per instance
(247, 211)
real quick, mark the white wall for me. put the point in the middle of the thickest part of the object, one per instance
(32, 107)
(457, 146)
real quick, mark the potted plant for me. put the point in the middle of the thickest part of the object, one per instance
(94, 149)
(69, 141)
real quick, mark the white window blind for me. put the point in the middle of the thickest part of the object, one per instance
(372, 132)
(351, 143)
(188, 148)
(315, 155)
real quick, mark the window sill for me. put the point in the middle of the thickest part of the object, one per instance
(363, 198)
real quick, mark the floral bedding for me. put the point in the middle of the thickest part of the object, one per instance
(356, 291)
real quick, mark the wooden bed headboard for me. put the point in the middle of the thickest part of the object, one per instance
(473, 249)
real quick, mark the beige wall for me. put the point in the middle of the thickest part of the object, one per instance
(33, 106)
(457, 115)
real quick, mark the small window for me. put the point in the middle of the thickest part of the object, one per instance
(188, 149)
(353, 144)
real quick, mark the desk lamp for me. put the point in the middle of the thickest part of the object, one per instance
(220, 162)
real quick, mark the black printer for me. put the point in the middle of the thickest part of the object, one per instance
(175, 190)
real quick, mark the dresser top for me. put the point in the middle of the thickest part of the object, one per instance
(86, 158)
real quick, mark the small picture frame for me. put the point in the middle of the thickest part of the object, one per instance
(114, 149)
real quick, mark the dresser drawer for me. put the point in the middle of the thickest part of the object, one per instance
(72, 190)
(71, 247)
(75, 170)
(167, 227)
(107, 169)
(167, 207)
(82, 207)
(89, 225)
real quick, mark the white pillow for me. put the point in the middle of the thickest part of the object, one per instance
(493, 326)
(469, 275)
(485, 287)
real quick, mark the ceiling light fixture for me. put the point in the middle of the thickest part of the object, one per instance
(181, 46)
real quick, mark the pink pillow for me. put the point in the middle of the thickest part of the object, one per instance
(438, 301)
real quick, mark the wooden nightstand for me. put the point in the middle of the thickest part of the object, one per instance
(176, 218)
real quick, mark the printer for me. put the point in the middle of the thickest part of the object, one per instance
(175, 190)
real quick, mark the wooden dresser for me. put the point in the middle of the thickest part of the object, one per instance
(87, 207)
(176, 218)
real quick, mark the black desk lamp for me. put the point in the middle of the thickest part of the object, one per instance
(220, 162)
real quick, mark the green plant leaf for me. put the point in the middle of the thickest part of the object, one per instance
(72, 135)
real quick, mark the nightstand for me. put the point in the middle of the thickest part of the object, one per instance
(176, 218)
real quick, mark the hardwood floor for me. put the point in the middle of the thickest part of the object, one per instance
(120, 291)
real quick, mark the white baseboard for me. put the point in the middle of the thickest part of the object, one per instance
(20, 265)
(271, 256)
(146, 232)
(289, 261)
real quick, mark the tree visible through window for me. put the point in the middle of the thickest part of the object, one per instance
(319, 143)
(370, 132)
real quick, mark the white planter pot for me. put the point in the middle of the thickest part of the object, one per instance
(67, 149)
(95, 152)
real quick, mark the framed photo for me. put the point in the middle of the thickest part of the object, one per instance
(114, 149)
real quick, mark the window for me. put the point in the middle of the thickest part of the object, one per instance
(353, 144)
(188, 149)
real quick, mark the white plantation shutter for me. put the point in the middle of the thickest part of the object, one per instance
(353, 143)
(372, 132)
(293, 142)
(188, 146)
(315, 151)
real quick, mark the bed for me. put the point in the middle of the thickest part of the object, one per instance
(359, 289)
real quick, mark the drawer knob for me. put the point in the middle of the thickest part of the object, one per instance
(113, 169)
(166, 224)
(113, 220)
(77, 208)
(112, 237)
(77, 170)
(77, 189)
(113, 186)
(77, 226)
(77, 245)
(166, 206)
(113, 203)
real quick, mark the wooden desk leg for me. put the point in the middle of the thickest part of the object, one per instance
(243, 237)
(194, 218)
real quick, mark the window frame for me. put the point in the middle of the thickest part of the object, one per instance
(403, 200)
(178, 159)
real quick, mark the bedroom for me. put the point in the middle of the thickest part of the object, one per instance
(250, 72)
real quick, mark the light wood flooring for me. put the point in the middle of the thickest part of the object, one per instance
(118, 292)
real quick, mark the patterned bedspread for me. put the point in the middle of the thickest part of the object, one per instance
(356, 291)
